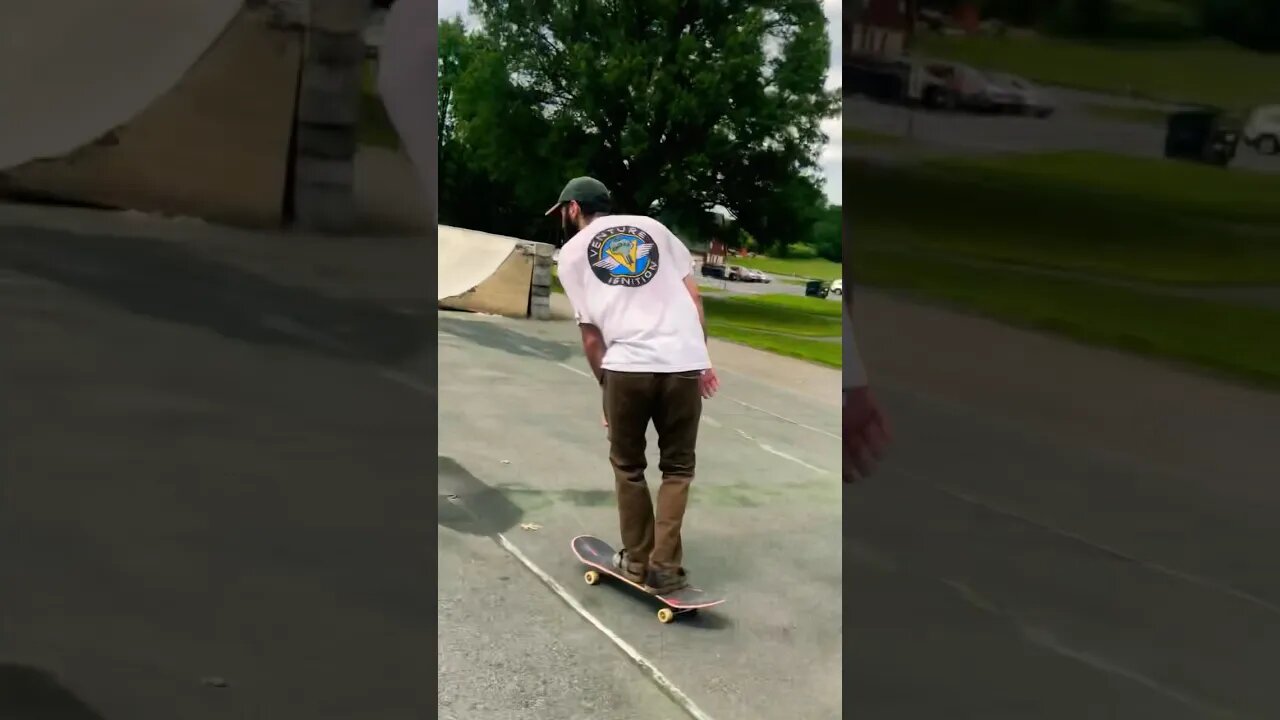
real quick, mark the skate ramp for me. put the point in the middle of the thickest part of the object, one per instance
(480, 272)
(152, 105)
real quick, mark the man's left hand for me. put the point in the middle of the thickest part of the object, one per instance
(708, 383)
(866, 434)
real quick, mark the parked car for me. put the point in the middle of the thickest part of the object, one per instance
(816, 288)
(1203, 135)
(1015, 94)
(876, 78)
(953, 86)
(1262, 130)
(713, 271)
(837, 286)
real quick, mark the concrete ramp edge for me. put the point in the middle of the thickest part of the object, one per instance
(494, 274)
(180, 109)
(118, 57)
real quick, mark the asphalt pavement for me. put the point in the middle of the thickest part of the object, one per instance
(213, 488)
(1074, 126)
(1062, 531)
(779, 286)
(214, 483)
(523, 461)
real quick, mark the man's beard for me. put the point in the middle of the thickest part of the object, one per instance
(568, 227)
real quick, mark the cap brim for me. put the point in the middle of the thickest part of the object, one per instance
(553, 209)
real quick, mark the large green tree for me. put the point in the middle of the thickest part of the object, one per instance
(677, 105)
(471, 195)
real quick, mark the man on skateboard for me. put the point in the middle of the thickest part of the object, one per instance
(632, 288)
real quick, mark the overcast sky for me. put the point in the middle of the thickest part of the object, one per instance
(830, 162)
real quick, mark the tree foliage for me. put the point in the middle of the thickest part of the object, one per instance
(676, 105)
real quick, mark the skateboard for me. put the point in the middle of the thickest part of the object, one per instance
(598, 555)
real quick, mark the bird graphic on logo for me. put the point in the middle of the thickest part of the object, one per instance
(624, 255)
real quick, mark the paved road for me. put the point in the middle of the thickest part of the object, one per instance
(521, 442)
(1072, 127)
(195, 486)
(1062, 532)
(777, 287)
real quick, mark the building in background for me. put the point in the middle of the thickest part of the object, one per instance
(880, 28)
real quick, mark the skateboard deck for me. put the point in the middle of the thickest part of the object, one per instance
(598, 555)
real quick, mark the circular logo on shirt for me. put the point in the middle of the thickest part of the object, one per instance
(623, 255)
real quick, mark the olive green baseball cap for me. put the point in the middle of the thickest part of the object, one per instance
(582, 190)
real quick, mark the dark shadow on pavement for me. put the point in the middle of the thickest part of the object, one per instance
(28, 693)
(466, 504)
(502, 337)
(168, 281)
(711, 619)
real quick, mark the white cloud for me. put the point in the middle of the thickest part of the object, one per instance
(832, 158)
(449, 9)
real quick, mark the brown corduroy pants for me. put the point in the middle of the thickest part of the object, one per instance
(673, 403)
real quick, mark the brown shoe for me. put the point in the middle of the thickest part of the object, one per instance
(633, 571)
(665, 582)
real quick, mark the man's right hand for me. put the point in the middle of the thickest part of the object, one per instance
(866, 434)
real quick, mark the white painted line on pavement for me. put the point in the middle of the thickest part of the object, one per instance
(667, 686)
(779, 453)
(1046, 640)
(792, 458)
(785, 419)
(1155, 567)
(407, 380)
(711, 421)
(573, 369)
(534, 351)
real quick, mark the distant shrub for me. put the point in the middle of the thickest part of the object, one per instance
(801, 251)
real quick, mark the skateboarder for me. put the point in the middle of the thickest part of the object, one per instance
(866, 432)
(636, 300)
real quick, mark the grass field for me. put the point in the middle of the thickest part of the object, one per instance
(1242, 342)
(817, 269)
(1215, 73)
(1148, 220)
(995, 226)
(799, 327)
(859, 136)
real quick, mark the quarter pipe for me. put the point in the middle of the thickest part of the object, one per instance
(494, 274)
(181, 108)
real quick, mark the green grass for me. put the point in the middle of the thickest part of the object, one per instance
(1211, 72)
(1240, 342)
(1127, 218)
(1050, 242)
(859, 136)
(797, 327)
(816, 269)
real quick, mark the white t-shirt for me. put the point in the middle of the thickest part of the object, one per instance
(625, 275)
